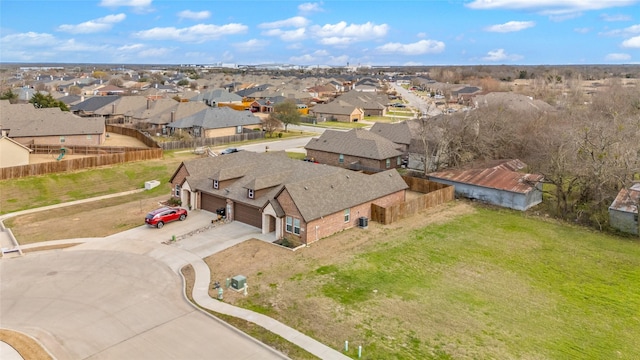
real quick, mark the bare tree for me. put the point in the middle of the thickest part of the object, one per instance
(270, 124)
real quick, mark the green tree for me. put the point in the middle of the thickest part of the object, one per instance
(9, 95)
(287, 112)
(40, 100)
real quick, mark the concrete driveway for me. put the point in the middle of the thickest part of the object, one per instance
(121, 297)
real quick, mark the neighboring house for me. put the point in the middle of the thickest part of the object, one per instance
(499, 184)
(373, 104)
(337, 111)
(28, 125)
(158, 119)
(216, 122)
(356, 149)
(216, 96)
(90, 106)
(399, 133)
(292, 199)
(12, 153)
(623, 212)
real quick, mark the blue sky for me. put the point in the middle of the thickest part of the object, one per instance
(335, 33)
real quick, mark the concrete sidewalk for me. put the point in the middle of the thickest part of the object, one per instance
(191, 250)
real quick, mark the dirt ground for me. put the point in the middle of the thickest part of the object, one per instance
(112, 140)
(24, 345)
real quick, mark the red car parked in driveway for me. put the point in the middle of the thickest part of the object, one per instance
(163, 215)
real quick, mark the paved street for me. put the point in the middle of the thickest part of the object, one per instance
(116, 298)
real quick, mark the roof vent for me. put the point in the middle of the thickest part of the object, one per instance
(306, 188)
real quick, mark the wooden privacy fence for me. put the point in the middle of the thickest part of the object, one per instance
(122, 130)
(79, 163)
(216, 141)
(433, 194)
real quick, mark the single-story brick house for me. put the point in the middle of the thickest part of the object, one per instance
(623, 212)
(337, 111)
(293, 199)
(356, 149)
(500, 184)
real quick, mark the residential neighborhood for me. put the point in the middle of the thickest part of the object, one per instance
(299, 202)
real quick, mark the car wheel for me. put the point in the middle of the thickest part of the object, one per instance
(182, 217)
(160, 225)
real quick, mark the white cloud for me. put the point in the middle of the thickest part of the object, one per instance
(417, 48)
(27, 39)
(93, 26)
(619, 17)
(197, 33)
(631, 30)
(132, 47)
(251, 45)
(550, 6)
(289, 35)
(296, 21)
(310, 7)
(618, 57)
(633, 42)
(343, 34)
(303, 59)
(583, 30)
(155, 53)
(500, 55)
(510, 26)
(194, 15)
(132, 3)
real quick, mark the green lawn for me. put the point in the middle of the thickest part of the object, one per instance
(38, 191)
(491, 285)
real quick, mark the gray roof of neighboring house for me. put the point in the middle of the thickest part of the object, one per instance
(399, 133)
(123, 105)
(356, 142)
(217, 118)
(94, 103)
(180, 110)
(23, 120)
(627, 200)
(317, 189)
(336, 107)
(365, 100)
(217, 96)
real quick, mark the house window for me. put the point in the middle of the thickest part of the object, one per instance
(347, 215)
(341, 158)
(177, 194)
(387, 163)
(61, 139)
(289, 227)
(250, 193)
(399, 161)
(89, 137)
(215, 184)
(239, 129)
(296, 226)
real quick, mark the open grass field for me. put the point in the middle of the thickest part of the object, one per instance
(457, 282)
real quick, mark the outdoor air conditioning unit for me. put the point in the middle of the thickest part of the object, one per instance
(363, 222)
(238, 282)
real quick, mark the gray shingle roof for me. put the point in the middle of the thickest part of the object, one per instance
(317, 189)
(355, 142)
(335, 192)
(24, 120)
(94, 103)
(217, 118)
(399, 133)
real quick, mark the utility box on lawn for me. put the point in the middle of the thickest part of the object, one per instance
(238, 281)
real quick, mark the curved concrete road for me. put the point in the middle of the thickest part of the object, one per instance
(96, 304)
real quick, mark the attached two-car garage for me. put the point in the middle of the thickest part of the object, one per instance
(242, 212)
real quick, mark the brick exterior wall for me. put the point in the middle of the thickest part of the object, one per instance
(333, 223)
(178, 179)
(84, 140)
(333, 159)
